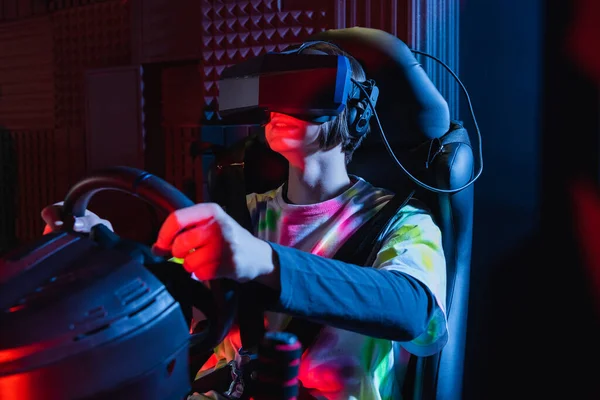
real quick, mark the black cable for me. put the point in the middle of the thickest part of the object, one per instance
(391, 152)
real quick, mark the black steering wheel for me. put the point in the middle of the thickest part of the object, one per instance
(218, 303)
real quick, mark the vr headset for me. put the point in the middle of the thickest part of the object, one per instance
(312, 87)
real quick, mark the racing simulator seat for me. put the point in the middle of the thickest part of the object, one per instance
(415, 118)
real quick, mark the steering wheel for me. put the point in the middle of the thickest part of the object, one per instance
(218, 303)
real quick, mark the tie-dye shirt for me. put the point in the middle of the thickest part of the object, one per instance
(412, 245)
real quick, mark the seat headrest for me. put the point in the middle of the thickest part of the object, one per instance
(445, 164)
(410, 107)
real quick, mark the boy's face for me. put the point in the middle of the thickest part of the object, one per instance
(291, 136)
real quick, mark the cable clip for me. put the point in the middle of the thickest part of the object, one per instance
(432, 154)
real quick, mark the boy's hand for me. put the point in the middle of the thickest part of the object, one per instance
(213, 245)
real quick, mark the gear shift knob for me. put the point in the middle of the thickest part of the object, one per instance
(278, 365)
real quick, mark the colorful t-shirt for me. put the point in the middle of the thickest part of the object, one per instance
(412, 245)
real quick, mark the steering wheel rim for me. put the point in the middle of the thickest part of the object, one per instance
(167, 198)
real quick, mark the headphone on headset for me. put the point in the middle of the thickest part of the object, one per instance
(361, 101)
(360, 107)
